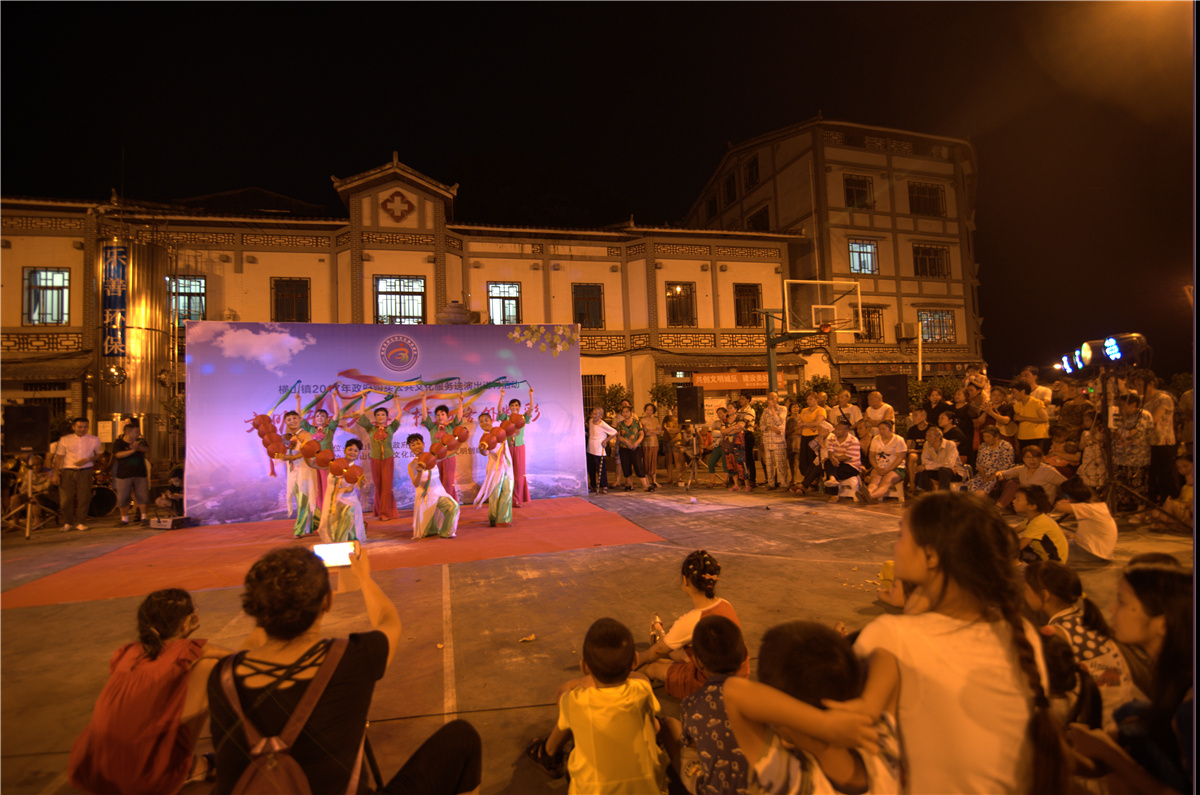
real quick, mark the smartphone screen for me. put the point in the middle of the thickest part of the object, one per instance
(335, 554)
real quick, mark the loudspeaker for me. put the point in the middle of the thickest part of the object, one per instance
(690, 402)
(26, 429)
(170, 522)
(894, 389)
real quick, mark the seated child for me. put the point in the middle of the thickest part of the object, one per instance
(151, 711)
(1064, 454)
(612, 721)
(792, 743)
(1095, 535)
(1040, 536)
(710, 760)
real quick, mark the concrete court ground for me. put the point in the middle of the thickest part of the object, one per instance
(782, 559)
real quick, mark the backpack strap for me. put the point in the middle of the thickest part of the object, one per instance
(316, 687)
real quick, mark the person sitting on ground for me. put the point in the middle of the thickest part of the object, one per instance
(1154, 747)
(994, 455)
(1034, 472)
(1095, 535)
(914, 437)
(612, 719)
(709, 760)
(787, 734)
(941, 464)
(170, 496)
(887, 464)
(288, 595)
(1056, 593)
(671, 659)
(972, 707)
(1181, 508)
(1074, 696)
(1063, 454)
(144, 729)
(1040, 537)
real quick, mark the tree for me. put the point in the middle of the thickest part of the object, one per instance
(613, 397)
(663, 396)
(822, 383)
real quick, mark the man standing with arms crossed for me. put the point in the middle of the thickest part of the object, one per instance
(74, 466)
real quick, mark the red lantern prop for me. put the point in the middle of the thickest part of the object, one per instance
(272, 438)
(452, 446)
(323, 458)
(499, 434)
(439, 450)
(261, 420)
(462, 434)
(509, 427)
(276, 448)
(446, 437)
(488, 440)
(428, 460)
(353, 473)
(337, 466)
(310, 448)
(263, 430)
(518, 420)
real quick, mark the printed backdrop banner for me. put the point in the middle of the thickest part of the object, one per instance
(238, 370)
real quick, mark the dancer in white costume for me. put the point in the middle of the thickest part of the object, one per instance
(431, 499)
(342, 516)
(301, 479)
(497, 486)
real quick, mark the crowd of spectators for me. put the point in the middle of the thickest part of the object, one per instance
(992, 439)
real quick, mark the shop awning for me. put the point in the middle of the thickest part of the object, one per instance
(62, 368)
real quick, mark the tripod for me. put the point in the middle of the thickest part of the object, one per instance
(23, 513)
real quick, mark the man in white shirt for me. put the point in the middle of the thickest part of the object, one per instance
(74, 464)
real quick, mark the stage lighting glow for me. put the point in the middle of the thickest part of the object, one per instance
(1066, 365)
(1078, 359)
(1111, 349)
(1092, 352)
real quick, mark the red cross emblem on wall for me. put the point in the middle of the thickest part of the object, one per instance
(397, 206)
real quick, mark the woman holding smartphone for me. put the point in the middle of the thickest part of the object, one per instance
(287, 593)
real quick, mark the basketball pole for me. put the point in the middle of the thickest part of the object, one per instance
(770, 316)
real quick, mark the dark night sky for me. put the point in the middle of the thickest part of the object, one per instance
(579, 114)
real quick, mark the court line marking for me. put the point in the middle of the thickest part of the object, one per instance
(451, 694)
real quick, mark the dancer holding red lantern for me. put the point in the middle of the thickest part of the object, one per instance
(381, 429)
(497, 486)
(431, 499)
(301, 475)
(513, 422)
(342, 517)
(439, 424)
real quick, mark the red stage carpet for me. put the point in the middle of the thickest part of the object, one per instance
(217, 556)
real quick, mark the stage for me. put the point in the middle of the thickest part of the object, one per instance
(218, 556)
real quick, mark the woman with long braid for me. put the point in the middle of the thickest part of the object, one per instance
(973, 711)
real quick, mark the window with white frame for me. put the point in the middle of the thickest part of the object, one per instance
(504, 303)
(864, 256)
(400, 300)
(47, 297)
(937, 325)
(186, 294)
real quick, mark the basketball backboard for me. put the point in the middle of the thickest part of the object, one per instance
(808, 304)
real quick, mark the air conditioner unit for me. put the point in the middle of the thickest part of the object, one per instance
(906, 331)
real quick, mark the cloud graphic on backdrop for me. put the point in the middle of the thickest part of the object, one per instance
(272, 349)
(204, 332)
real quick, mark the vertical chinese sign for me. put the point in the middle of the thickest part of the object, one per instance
(114, 297)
